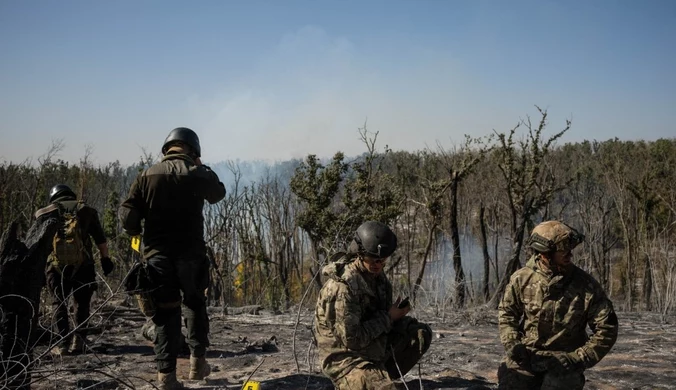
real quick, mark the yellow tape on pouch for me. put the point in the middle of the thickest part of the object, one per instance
(136, 243)
(252, 385)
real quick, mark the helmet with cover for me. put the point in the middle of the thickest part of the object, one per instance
(554, 236)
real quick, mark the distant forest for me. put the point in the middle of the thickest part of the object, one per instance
(462, 214)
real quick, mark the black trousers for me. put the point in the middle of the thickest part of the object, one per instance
(62, 285)
(179, 279)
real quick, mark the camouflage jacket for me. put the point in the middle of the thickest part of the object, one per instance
(351, 318)
(549, 312)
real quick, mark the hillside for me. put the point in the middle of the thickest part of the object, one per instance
(464, 354)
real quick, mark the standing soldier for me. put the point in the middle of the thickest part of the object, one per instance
(170, 196)
(544, 314)
(364, 340)
(70, 266)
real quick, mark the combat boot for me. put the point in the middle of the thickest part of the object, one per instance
(59, 350)
(199, 368)
(78, 345)
(168, 381)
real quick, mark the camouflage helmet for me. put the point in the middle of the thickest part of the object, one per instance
(554, 236)
(59, 191)
(375, 239)
(185, 135)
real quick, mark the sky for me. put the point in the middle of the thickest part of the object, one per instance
(274, 80)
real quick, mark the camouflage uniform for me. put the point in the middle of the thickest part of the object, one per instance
(548, 314)
(359, 347)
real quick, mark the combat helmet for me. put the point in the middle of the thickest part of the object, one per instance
(553, 236)
(59, 191)
(185, 135)
(375, 239)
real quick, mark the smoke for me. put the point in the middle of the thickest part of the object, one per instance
(312, 92)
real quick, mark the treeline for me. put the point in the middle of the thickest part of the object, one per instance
(462, 215)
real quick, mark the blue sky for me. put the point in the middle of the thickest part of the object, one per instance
(281, 79)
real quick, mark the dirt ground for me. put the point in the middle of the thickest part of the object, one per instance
(465, 354)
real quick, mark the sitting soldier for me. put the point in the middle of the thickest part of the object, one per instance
(365, 340)
(544, 314)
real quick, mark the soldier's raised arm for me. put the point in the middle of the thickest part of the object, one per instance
(210, 185)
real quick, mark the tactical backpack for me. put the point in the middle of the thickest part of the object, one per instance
(68, 246)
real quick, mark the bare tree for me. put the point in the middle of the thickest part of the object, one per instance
(528, 183)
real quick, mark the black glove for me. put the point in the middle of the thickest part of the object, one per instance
(519, 353)
(565, 361)
(107, 265)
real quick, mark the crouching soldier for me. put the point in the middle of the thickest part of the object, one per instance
(169, 196)
(544, 314)
(365, 340)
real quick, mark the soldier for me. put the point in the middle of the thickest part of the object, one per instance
(364, 339)
(70, 267)
(170, 197)
(544, 314)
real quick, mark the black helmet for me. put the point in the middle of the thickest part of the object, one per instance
(185, 135)
(375, 239)
(59, 191)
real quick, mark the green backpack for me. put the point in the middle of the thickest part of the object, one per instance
(68, 246)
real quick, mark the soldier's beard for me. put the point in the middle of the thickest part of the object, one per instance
(557, 269)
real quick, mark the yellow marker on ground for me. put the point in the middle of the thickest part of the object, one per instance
(251, 385)
(136, 243)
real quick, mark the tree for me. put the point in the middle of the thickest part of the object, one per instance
(528, 183)
(458, 166)
(316, 186)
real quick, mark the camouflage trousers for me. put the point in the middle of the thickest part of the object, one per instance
(408, 341)
(513, 376)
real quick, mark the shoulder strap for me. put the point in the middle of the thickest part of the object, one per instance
(47, 210)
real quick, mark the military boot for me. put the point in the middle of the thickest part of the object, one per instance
(59, 350)
(199, 368)
(168, 381)
(78, 345)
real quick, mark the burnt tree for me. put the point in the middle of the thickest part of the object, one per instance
(528, 182)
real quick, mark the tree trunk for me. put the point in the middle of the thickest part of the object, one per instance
(484, 249)
(423, 263)
(647, 284)
(313, 271)
(22, 276)
(460, 287)
(512, 265)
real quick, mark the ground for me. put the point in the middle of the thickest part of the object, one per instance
(465, 354)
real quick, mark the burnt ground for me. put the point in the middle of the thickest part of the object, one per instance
(465, 354)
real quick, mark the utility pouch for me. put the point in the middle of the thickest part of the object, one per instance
(138, 284)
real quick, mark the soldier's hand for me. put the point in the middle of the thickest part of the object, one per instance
(107, 265)
(397, 313)
(519, 353)
(566, 361)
